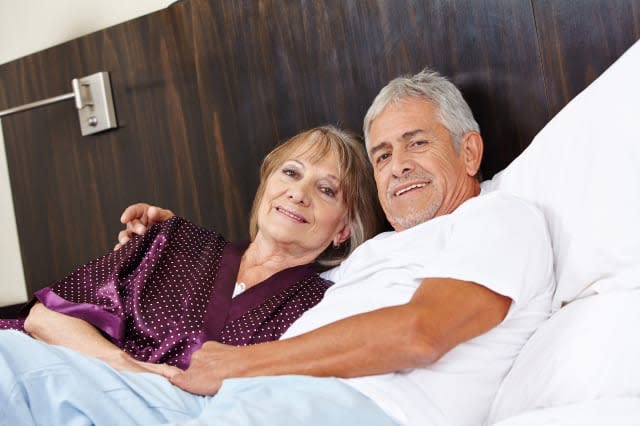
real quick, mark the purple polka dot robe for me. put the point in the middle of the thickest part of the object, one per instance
(162, 295)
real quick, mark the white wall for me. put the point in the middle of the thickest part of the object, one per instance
(27, 26)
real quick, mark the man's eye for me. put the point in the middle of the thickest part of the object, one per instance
(419, 143)
(382, 157)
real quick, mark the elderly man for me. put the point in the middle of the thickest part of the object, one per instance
(422, 322)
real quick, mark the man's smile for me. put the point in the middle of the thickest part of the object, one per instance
(409, 188)
(400, 190)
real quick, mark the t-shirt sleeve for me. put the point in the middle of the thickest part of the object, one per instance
(500, 242)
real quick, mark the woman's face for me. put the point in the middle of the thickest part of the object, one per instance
(302, 208)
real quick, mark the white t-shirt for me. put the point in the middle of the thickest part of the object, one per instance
(495, 240)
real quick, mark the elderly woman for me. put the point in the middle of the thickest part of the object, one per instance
(159, 297)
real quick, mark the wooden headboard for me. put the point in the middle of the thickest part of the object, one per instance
(204, 88)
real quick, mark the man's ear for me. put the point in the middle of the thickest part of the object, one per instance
(471, 149)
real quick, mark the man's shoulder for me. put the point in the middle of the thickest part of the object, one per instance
(501, 204)
(500, 215)
(500, 197)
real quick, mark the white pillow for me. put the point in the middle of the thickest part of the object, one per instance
(583, 171)
(606, 411)
(588, 350)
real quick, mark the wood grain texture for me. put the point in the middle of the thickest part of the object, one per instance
(69, 190)
(283, 66)
(579, 39)
(205, 88)
(12, 311)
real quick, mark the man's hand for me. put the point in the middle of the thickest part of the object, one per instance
(442, 313)
(208, 368)
(138, 218)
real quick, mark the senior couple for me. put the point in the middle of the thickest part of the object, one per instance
(419, 326)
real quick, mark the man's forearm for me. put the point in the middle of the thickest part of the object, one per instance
(342, 349)
(348, 348)
(441, 314)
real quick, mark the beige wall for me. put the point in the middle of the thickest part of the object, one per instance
(26, 26)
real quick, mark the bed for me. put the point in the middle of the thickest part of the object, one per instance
(581, 366)
(206, 87)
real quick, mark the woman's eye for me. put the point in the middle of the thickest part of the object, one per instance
(290, 172)
(328, 191)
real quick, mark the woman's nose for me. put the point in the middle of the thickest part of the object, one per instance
(298, 194)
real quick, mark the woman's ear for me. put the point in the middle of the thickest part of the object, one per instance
(471, 149)
(342, 235)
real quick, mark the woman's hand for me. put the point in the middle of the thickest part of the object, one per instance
(59, 329)
(122, 361)
(139, 217)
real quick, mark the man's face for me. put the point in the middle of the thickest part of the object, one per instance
(416, 167)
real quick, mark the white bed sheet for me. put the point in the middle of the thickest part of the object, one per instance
(601, 412)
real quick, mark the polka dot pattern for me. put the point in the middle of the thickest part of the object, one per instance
(151, 297)
(273, 317)
(12, 324)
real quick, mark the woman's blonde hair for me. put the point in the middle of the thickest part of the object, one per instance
(356, 184)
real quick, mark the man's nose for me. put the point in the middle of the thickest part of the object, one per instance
(401, 164)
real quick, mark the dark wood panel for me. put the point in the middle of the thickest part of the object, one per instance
(12, 311)
(269, 68)
(205, 88)
(579, 39)
(69, 190)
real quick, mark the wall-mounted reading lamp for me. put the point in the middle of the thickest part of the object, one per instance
(93, 99)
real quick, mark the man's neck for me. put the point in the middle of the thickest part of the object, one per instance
(468, 189)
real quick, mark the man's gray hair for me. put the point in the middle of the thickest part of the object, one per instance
(453, 111)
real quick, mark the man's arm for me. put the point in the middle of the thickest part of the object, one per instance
(441, 314)
(138, 218)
